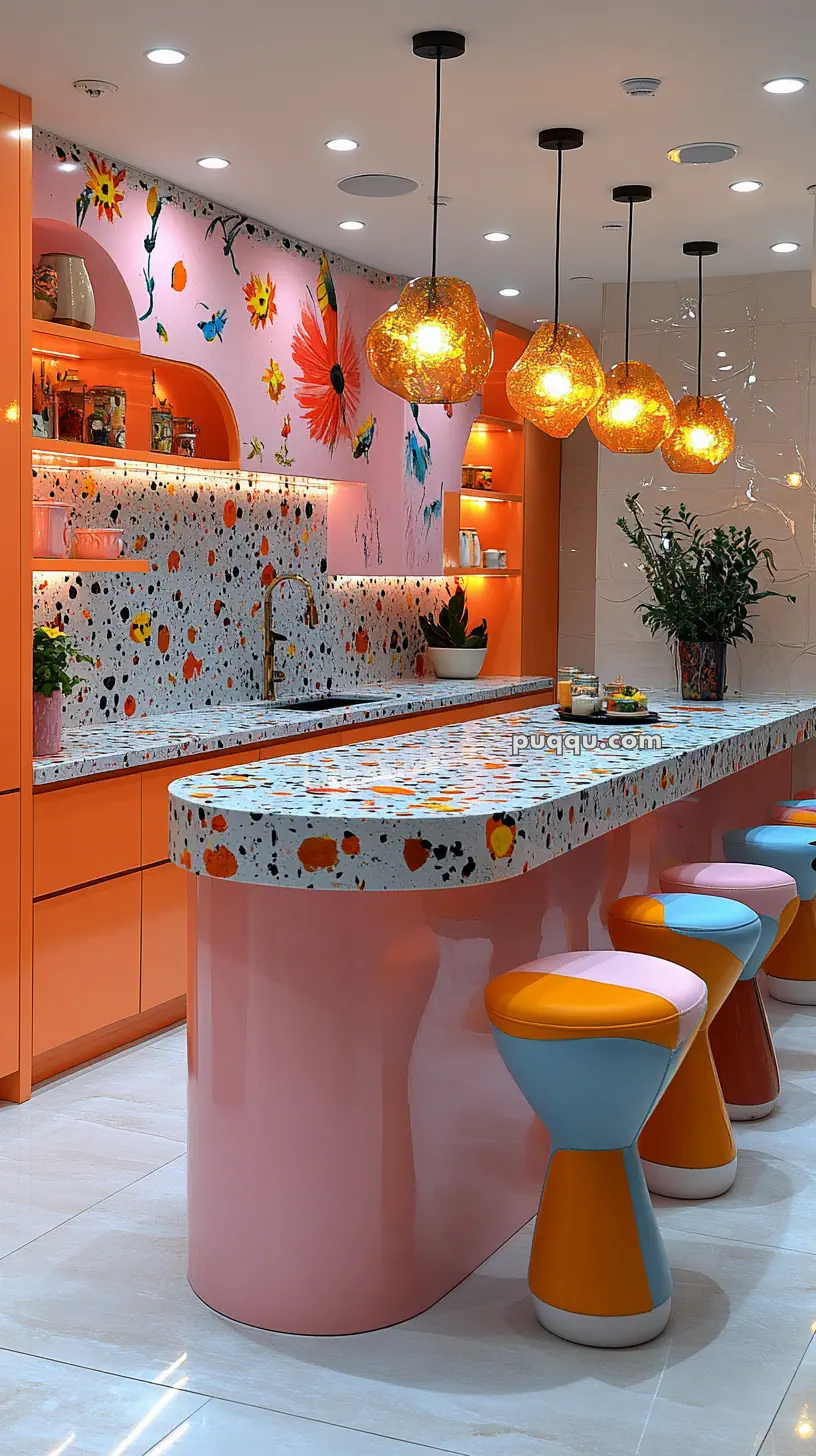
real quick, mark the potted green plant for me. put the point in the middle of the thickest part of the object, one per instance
(453, 650)
(53, 654)
(704, 583)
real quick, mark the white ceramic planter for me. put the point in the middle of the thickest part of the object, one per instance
(75, 296)
(457, 661)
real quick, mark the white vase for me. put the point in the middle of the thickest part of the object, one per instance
(76, 304)
(457, 661)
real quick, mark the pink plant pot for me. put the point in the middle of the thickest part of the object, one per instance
(47, 725)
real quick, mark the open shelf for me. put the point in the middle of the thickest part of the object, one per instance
(481, 571)
(488, 495)
(496, 422)
(96, 454)
(63, 341)
(70, 564)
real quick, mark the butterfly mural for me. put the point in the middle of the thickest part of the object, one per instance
(213, 327)
(325, 351)
(364, 438)
(417, 457)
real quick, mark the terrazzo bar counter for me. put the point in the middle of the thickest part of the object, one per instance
(161, 737)
(356, 1146)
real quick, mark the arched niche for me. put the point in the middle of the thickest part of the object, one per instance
(115, 313)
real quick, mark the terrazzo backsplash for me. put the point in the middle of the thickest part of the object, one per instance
(189, 633)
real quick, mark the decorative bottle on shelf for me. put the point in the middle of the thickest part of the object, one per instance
(70, 410)
(76, 304)
(105, 407)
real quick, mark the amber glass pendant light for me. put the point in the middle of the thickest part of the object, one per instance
(558, 377)
(704, 437)
(434, 347)
(635, 413)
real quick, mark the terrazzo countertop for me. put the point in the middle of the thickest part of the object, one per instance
(164, 736)
(457, 806)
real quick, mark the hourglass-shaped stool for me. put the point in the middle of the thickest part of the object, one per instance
(687, 1145)
(791, 966)
(592, 1038)
(739, 1035)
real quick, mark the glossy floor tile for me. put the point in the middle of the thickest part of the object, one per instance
(99, 1294)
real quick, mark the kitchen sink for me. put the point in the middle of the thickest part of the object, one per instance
(316, 705)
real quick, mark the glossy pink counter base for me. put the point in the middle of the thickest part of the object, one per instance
(356, 1146)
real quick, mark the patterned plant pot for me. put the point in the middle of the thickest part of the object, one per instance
(47, 725)
(701, 669)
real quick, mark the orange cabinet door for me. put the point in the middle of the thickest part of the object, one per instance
(86, 832)
(164, 934)
(86, 960)
(155, 807)
(306, 743)
(10, 935)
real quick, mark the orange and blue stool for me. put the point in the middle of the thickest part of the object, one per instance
(739, 1035)
(791, 965)
(592, 1038)
(687, 1146)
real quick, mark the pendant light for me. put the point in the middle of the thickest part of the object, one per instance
(434, 347)
(704, 436)
(558, 377)
(635, 413)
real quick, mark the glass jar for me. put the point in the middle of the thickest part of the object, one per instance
(105, 407)
(70, 398)
(184, 437)
(565, 677)
(161, 429)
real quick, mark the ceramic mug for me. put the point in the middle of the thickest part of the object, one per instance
(95, 545)
(52, 533)
(491, 559)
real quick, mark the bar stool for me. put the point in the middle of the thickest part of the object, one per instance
(591, 1038)
(791, 967)
(687, 1145)
(739, 1035)
(796, 811)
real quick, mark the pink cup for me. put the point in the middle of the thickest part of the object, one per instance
(52, 534)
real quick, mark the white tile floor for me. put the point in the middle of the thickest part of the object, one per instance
(105, 1351)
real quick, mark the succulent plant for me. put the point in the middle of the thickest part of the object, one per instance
(451, 630)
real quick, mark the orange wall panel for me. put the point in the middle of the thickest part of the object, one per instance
(10, 937)
(164, 934)
(155, 802)
(86, 832)
(86, 960)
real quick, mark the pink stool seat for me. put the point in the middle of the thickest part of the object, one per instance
(764, 890)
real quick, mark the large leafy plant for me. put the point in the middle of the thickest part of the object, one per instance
(53, 655)
(452, 628)
(703, 582)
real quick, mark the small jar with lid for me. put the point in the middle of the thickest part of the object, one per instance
(565, 677)
(70, 407)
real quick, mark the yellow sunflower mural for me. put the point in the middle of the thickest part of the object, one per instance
(102, 190)
(260, 296)
(274, 380)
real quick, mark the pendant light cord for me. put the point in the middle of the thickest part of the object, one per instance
(699, 327)
(629, 278)
(436, 157)
(558, 242)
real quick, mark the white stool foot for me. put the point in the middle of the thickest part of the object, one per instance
(798, 993)
(739, 1112)
(689, 1182)
(607, 1332)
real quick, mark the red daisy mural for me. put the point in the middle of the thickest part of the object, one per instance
(325, 351)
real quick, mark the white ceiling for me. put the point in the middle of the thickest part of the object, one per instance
(267, 83)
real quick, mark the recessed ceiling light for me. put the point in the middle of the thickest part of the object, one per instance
(726, 368)
(784, 85)
(752, 379)
(509, 292)
(166, 56)
(746, 186)
(721, 353)
(351, 226)
(213, 164)
(496, 237)
(784, 247)
(67, 166)
(342, 144)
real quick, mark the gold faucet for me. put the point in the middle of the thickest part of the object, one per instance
(271, 675)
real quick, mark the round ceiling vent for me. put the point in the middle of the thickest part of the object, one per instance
(95, 89)
(377, 184)
(641, 85)
(703, 154)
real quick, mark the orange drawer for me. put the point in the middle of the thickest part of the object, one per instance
(307, 743)
(10, 937)
(86, 832)
(164, 934)
(86, 960)
(154, 795)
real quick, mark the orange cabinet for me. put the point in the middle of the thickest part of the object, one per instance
(164, 934)
(86, 960)
(10, 936)
(155, 805)
(86, 832)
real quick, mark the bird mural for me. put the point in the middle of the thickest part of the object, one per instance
(417, 456)
(364, 438)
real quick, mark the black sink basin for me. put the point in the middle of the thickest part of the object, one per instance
(316, 705)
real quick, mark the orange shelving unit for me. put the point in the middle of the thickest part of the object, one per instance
(71, 564)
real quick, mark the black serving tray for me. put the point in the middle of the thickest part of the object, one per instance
(567, 716)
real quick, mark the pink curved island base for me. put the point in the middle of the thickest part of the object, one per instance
(356, 1146)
